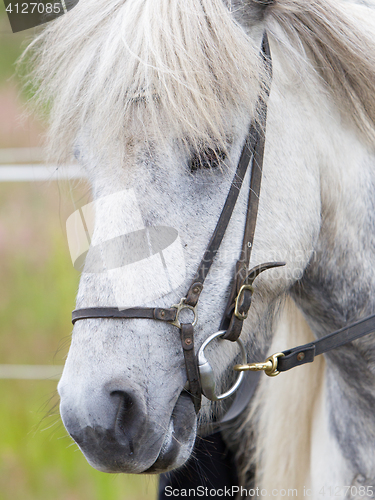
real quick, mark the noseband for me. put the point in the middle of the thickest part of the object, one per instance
(199, 372)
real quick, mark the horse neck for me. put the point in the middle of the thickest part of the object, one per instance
(337, 286)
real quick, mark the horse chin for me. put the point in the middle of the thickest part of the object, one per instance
(179, 440)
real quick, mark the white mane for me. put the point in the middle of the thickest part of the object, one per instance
(337, 38)
(130, 67)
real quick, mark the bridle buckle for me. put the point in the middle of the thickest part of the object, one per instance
(237, 313)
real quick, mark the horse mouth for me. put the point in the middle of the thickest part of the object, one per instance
(167, 455)
(117, 449)
(179, 439)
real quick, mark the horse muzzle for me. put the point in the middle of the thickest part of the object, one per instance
(116, 432)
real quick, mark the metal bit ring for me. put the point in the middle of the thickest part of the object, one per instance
(207, 375)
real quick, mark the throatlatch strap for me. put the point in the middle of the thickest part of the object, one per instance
(252, 154)
(217, 237)
(233, 320)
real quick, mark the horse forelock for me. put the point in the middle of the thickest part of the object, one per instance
(145, 66)
(155, 67)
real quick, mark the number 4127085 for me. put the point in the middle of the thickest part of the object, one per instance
(344, 491)
(30, 8)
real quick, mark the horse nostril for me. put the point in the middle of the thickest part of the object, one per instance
(125, 411)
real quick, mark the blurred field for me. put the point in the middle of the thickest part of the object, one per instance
(37, 290)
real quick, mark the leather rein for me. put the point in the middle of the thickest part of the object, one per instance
(199, 372)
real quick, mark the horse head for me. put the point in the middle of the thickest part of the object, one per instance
(157, 98)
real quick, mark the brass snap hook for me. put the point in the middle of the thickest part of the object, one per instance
(269, 366)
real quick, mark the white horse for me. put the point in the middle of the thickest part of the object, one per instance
(149, 93)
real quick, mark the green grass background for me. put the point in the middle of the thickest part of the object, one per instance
(38, 461)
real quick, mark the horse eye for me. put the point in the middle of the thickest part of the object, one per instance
(209, 158)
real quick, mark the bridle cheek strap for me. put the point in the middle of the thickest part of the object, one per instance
(191, 366)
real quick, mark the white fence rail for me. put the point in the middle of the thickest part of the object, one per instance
(31, 172)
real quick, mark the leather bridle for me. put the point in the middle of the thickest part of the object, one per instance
(240, 297)
(199, 372)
